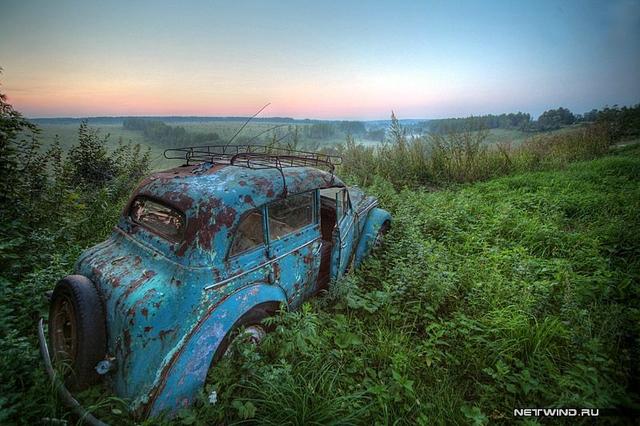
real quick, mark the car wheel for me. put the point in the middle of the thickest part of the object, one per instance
(252, 328)
(77, 329)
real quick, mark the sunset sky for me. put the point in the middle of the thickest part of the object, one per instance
(322, 59)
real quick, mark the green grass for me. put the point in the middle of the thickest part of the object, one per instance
(520, 291)
(505, 135)
(68, 134)
(517, 292)
(443, 159)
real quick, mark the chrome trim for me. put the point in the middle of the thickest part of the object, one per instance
(262, 265)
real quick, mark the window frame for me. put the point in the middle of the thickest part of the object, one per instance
(345, 205)
(264, 209)
(162, 203)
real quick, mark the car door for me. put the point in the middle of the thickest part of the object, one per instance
(294, 245)
(344, 233)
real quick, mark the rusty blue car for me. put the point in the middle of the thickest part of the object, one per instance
(201, 251)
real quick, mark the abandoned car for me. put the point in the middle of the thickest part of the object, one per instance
(201, 251)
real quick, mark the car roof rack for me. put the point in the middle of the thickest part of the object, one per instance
(253, 156)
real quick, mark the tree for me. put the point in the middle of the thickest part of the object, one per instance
(19, 147)
(397, 134)
(90, 163)
(555, 118)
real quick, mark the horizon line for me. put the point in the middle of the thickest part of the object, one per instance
(232, 117)
(317, 119)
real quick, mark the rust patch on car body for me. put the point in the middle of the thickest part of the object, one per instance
(170, 302)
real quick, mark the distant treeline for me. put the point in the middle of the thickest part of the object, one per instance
(328, 129)
(519, 120)
(178, 136)
(183, 119)
(170, 136)
(624, 121)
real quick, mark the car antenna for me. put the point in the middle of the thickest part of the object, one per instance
(246, 122)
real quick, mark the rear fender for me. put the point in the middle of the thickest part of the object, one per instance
(375, 219)
(185, 373)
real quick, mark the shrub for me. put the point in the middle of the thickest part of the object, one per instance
(51, 206)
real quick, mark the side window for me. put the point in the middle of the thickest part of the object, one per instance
(249, 234)
(289, 215)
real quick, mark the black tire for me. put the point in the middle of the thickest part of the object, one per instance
(77, 329)
(253, 317)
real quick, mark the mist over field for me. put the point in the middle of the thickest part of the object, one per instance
(503, 139)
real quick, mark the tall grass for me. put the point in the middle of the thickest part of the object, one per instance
(517, 292)
(461, 157)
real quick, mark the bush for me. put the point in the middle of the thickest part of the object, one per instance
(51, 207)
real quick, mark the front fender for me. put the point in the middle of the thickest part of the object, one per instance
(180, 381)
(375, 219)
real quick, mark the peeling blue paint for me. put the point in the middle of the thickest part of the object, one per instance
(169, 303)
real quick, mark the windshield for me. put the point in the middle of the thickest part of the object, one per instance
(158, 218)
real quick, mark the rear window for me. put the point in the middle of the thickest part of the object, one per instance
(158, 218)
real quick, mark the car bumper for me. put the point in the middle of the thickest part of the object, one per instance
(63, 393)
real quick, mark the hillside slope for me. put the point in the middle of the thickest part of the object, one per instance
(517, 292)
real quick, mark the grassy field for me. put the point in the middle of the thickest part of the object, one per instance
(516, 292)
(67, 132)
(505, 135)
(68, 135)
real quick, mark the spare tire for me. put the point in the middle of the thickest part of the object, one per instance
(77, 330)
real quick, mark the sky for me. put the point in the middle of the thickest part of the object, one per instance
(321, 59)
